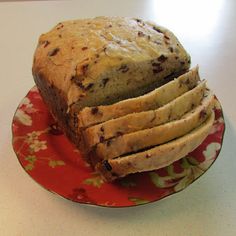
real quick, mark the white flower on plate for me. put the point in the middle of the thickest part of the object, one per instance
(210, 155)
(26, 102)
(211, 150)
(216, 127)
(27, 106)
(38, 145)
(30, 137)
(22, 117)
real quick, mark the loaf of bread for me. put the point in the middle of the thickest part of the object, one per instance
(114, 84)
(91, 62)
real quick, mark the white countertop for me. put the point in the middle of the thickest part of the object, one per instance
(207, 29)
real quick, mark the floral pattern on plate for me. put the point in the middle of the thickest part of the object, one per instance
(51, 160)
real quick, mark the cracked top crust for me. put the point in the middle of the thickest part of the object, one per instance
(74, 54)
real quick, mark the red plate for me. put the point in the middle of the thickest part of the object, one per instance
(52, 161)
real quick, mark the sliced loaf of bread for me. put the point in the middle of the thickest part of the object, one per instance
(98, 74)
(143, 139)
(147, 119)
(92, 62)
(157, 157)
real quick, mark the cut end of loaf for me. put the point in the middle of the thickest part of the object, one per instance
(186, 98)
(156, 98)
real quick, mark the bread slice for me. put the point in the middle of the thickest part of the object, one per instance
(143, 139)
(157, 98)
(157, 157)
(147, 119)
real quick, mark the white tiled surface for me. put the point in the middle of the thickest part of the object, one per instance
(208, 207)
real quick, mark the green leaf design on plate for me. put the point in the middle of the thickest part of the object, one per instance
(170, 171)
(30, 158)
(29, 167)
(157, 180)
(185, 164)
(193, 161)
(184, 182)
(138, 201)
(54, 163)
(94, 181)
(172, 174)
(165, 181)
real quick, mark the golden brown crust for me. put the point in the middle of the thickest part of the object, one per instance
(82, 57)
